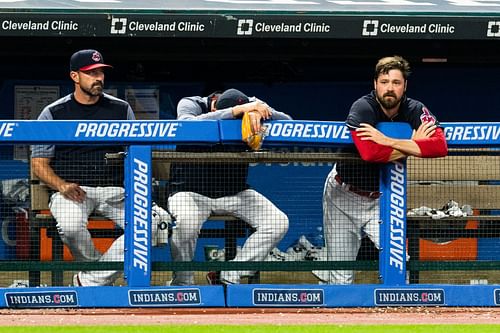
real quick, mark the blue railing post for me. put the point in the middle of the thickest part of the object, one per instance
(137, 266)
(393, 223)
(392, 257)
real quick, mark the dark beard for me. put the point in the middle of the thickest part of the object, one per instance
(95, 90)
(388, 104)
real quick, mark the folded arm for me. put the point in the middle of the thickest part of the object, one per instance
(373, 146)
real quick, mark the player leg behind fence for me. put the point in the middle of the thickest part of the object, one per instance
(108, 202)
(347, 217)
(269, 222)
(191, 210)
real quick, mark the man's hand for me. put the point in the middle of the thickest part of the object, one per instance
(252, 132)
(424, 131)
(257, 106)
(368, 132)
(263, 109)
(255, 121)
(72, 192)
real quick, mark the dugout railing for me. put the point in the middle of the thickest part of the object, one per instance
(392, 287)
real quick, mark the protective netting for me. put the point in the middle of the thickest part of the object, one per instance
(273, 200)
(14, 217)
(84, 210)
(453, 218)
(258, 217)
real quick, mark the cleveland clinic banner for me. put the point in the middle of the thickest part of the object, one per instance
(378, 19)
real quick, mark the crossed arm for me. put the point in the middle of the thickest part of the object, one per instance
(427, 141)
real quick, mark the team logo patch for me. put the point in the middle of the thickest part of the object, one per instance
(162, 297)
(406, 297)
(426, 116)
(288, 297)
(42, 299)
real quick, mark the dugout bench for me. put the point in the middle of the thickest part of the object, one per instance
(467, 176)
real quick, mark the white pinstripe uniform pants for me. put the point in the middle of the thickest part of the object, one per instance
(347, 218)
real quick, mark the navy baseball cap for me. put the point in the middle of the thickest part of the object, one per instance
(86, 60)
(230, 98)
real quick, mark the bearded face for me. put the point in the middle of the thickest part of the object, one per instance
(94, 89)
(390, 88)
(91, 82)
(389, 100)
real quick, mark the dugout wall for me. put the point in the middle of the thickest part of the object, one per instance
(393, 289)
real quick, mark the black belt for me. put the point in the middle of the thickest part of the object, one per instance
(363, 193)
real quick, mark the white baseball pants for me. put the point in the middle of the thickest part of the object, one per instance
(72, 220)
(347, 218)
(192, 210)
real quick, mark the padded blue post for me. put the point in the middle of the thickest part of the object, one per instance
(392, 256)
(138, 216)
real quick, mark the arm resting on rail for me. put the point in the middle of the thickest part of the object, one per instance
(373, 146)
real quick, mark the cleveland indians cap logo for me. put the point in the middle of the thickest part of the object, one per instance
(96, 56)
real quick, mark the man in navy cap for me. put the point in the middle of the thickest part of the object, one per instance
(81, 180)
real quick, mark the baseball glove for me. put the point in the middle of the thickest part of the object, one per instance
(252, 139)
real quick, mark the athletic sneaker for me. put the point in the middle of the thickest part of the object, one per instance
(20, 284)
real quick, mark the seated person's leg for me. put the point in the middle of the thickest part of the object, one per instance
(270, 225)
(344, 218)
(72, 219)
(191, 210)
(110, 204)
(103, 278)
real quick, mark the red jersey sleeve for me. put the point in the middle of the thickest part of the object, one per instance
(435, 146)
(371, 151)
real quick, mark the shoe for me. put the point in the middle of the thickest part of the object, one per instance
(163, 215)
(20, 284)
(213, 278)
(276, 255)
(229, 277)
(76, 280)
